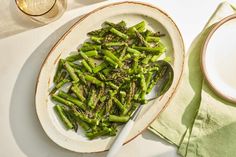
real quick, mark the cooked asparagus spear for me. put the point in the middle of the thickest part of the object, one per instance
(62, 115)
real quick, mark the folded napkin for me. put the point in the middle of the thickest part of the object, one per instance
(199, 122)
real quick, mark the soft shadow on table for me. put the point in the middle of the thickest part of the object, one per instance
(14, 21)
(19, 17)
(25, 126)
(88, 2)
(74, 4)
(153, 137)
(166, 154)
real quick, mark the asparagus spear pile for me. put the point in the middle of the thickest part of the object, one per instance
(107, 78)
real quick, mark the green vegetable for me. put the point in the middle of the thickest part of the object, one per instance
(140, 27)
(58, 72)
(110, 61)
(90, 47)
(99, 67)
(87, 59)
(118, 33)
(96, 39)
(113, 57)
(59, 85)
(93, 80)
(85, 64)
(152, 39)
(62, 100)
(71, 72)
(73, 57)
(91, 99)
(109, 76)
(112, 85)
(78, 92)
(147, 59)
(120, 106)
(84, 117)
(71, 99)
(63, 117)
(91, 53)
(114, 44)
(141, 38)
(134, 52)
(155, 50)
(118, 119)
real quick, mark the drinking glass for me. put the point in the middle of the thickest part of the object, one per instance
(42, 11)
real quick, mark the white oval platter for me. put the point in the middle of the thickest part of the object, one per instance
(132, 13)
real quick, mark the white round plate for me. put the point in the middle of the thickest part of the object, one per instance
(219, 58)
(132, 13)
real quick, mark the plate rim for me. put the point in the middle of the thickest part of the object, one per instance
(203, 57)
(83, 17)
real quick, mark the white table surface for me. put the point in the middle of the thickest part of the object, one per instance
(23, 47)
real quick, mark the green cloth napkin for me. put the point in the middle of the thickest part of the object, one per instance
(199, 122)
